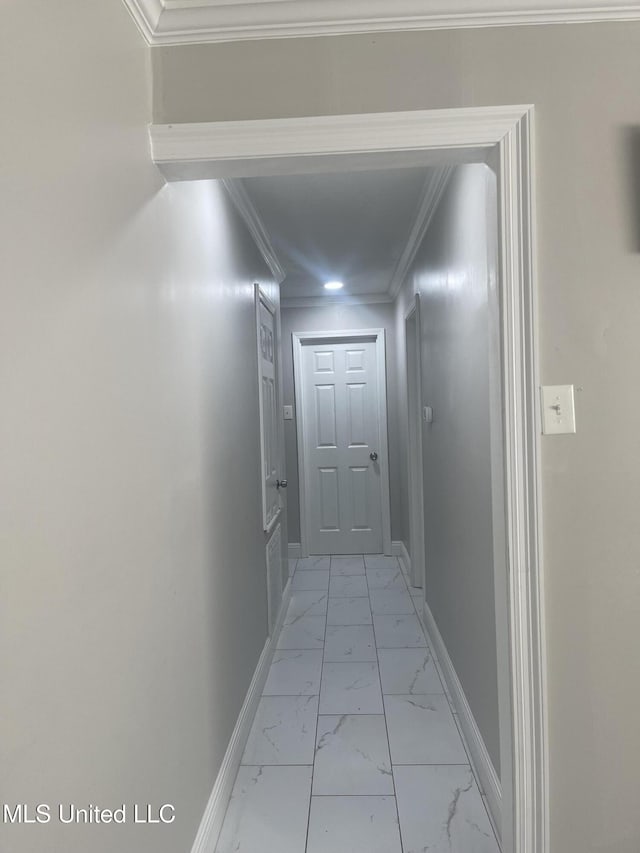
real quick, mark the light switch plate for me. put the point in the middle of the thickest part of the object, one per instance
(288, 413)
(558, 410)
(427, 414)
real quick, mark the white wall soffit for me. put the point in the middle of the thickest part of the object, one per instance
(190, 21)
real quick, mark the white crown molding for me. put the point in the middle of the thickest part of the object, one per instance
(326, 301)
(167, 22)
(254, 223)
(147, 14)
(432, 192)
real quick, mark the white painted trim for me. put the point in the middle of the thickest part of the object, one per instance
(294, 550)
(299, 339)
(146, 14)
(192, 21)
(324, 301)
(524, 583)
(480, 758)
(195, 151)
(243, 204)
(502, 135)
(213, 817)
(432, 192)
(399, 549)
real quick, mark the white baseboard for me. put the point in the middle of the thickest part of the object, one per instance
(214, 813)
(295, 551)
(399, 549)
(482, 764)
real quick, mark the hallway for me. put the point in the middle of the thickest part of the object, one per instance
(354, 748)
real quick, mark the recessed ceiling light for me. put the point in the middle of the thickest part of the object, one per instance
(334, 285)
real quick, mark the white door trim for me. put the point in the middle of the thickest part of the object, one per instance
(415, 480)
(299, 340)
(503, 136)
(196, 151)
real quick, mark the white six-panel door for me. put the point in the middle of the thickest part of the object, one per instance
(342, 446)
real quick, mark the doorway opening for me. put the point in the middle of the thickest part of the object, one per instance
(501, 138)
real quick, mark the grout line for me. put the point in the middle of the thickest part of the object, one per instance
(289, 696)
(388, 693)
(315, 738)
(434, 764)
(386, 728)
(262, 764)
(369, 796)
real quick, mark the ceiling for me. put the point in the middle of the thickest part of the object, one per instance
(352, 226)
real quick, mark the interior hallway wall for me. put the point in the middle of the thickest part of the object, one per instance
(335, 318)
(455, 274)
(583, 81)
(133, 606)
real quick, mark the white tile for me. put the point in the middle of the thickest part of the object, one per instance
(283, 731)
(349, 611)
(305, 633)
(295, 673)
(350, 643)
(391, 601)
(352, 756)
(267, 811)
(310, 580)
(422, 730)
(408, 672)
(398, 632)
(350, 688)
(379, 561)
(353, 825)
(389, 579)
(347, 566)
(306, 564)
(306, 603)
(441, 811)
(348, 585)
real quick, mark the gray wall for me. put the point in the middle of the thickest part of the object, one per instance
(335, 318)
(455, 274)
(131, 549)
(583, 80)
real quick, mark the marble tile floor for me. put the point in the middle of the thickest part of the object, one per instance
(354, 748)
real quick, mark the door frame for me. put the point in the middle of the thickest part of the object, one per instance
(501, 136)
(415, 473)
(300, 339)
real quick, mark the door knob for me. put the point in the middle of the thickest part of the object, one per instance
(281, 484)
(373, 456)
